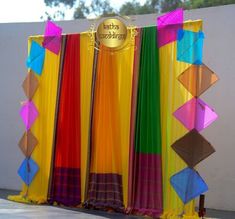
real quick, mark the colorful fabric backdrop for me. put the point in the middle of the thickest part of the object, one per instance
(105, 121)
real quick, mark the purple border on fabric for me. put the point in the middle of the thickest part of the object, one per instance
(147, 198)
(66, 186)
(105, 191)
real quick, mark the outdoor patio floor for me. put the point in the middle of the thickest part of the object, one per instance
(13, 210)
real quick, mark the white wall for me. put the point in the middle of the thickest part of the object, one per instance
(219, 53)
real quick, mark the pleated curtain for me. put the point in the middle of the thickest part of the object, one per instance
(146, 172)
(108, 178)
(43, 129)
(173, 95)
(86, 70)
(66, 172)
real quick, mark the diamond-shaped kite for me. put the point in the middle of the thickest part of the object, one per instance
(28, 170)
(168, 25)
(193, 148)
(27, 143)
(172, 17)
(189, 46)
(197, 79)
(28, 113)
(52, 37)
(188, 184)
(30, 85)
(195, 114)
(35, 60)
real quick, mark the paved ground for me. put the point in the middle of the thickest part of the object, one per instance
(13, 210)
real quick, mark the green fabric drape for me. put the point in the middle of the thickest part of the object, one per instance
(147, 174)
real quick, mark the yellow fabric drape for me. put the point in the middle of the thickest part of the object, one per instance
(125, 60)
(173, 95)
(86, 66)
(43, 128)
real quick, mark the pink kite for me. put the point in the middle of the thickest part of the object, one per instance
(195, 114)
(168, 25)
(28, 113)
(52, 37)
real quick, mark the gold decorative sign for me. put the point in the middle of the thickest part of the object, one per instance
(112, 33)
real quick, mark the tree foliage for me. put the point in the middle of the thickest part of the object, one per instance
(134, 7)
(169, 5)
(55, 3)
(131, 7)
(96, 8)
(191, 4)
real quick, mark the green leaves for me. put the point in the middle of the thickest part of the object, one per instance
(56, 3)
(131, 7)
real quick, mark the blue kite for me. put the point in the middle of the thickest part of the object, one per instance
(28, 170)
(188, 184)
(190, 46)
(35, 60)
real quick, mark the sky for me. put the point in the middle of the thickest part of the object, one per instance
(12, 11)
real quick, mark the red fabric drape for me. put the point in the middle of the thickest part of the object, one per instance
(66, 182)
